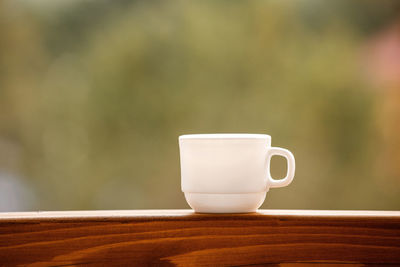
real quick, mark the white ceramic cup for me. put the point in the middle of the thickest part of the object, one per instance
(229, 173)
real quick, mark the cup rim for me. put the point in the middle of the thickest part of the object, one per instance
(219, 136)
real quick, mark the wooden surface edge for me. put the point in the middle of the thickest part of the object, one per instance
(185, 238)
(186, 212)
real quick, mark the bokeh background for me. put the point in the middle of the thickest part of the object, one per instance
(93, 96)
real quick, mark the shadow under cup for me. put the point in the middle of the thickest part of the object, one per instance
(229, 173)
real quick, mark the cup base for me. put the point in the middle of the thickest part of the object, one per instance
(225, 203)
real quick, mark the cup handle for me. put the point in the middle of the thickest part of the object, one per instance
(290, 167)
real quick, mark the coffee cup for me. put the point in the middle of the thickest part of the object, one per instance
(229, 173)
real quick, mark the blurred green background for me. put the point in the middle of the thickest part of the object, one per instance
(94, 94)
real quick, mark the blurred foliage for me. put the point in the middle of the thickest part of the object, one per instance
(93, 96)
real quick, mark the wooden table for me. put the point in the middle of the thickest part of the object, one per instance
(183, 238)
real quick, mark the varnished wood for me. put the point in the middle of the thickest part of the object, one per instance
(183, 238)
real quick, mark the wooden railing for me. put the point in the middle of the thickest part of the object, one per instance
(183, 238)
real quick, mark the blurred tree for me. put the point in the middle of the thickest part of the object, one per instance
(95, 95)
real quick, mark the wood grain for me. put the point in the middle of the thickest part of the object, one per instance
(183, 238)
